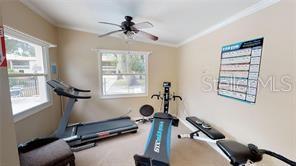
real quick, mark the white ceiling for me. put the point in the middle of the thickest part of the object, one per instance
(175, 21)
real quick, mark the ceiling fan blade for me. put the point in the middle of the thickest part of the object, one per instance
(108, 23)
(146, 35)
(109, 33)
(143, 25)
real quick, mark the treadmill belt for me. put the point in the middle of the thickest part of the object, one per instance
(91, 128)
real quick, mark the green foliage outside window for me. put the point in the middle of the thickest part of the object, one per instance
(19, 48)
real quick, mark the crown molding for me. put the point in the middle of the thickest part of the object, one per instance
(248, 11)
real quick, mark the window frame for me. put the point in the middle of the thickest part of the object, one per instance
(146, 56)
(46, 63)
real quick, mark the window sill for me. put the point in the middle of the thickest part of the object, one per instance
(123, 96)
(29, 112)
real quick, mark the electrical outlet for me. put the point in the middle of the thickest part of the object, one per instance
(130, 109)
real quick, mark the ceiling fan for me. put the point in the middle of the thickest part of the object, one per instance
(130, 29)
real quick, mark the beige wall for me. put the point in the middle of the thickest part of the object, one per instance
(8, 152)
(19, 17)
(270, 123)
(79, 67)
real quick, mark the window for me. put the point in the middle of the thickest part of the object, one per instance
(27, 71)
(17, 64)
(123, 73)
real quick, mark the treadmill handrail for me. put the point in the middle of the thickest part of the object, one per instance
(58, 84)
(61, 92)
(66, 90)
(81, 90)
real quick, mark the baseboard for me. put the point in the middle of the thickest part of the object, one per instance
(192, 128)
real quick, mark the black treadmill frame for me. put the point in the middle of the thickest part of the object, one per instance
(76, 139)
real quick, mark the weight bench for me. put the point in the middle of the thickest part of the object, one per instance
(237, 153)
(203, 127)
(46, 152)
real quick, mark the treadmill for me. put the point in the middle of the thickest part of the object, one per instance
(84, 135)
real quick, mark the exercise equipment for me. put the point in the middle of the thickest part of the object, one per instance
(240, 154)
(146, 111)
(157, 149)
(237, 153)
(84, 135)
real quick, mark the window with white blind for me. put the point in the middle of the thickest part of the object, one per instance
(123, 73)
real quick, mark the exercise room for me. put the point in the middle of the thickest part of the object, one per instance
(147, 82)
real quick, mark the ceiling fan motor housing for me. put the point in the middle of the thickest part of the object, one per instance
(128, 18)
(126, 25)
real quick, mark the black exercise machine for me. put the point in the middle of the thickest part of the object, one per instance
(157, 149)
(237, 153)
(84, 135)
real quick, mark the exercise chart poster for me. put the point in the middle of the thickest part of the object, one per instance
(239, 70)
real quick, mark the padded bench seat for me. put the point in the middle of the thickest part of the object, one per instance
(57, 153)
(211, 133)
(238, 153)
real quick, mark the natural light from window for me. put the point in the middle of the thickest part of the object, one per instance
(124, 73)
(27, 74)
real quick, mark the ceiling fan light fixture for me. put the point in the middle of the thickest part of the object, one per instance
(130, 34)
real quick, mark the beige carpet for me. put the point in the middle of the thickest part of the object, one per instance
(119, 151)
